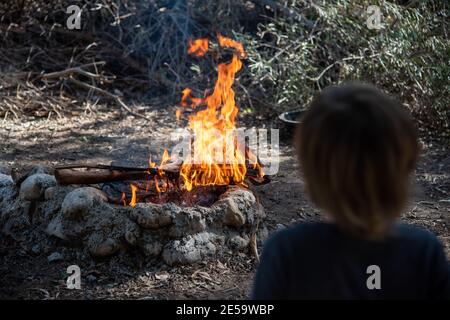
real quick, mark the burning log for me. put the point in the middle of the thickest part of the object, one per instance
(93, 174)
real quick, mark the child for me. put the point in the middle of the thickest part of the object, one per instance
(357, 149)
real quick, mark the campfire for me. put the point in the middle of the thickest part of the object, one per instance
(183, 210)
(216, 160)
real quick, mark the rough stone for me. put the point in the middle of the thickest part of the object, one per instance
(237, 242)
(85, 217)
(152, 249)
(49, 193)
(5, 170)
(77, 203)
(5, 180)
(242, 196)
(55, 228)
(190, 249)
(150, 244)
(6, 190)
(131, 236)
(233, 216)
(151, 216)
(188, 221)
(16, 220)
(237, 208)
(103, 249)
(33, 187)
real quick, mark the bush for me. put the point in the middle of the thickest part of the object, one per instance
(296, 48)
(328, 43)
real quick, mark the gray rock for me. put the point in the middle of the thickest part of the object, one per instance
(104, 249)
(55, 228)
(5, 170)
(33, 187)
(17, 219)
(132, 236)
(152, 249)
(237, 242)
(190, 249)
(233, 216)
(151, 216)
(55, 256)
(236, 208)
(77, 203)
(150, 244)
(49, 193)
(5, 180)
(6, 190)
(243, 196)
(86, 217)
(188, 221)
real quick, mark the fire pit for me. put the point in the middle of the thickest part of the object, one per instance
(178, 233)
(182, 210)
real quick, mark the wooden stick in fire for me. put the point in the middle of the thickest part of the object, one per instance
(67, 175)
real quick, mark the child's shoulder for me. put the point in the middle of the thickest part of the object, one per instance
(414, 235)
(320, 233)
(302, 233)
(306, 230)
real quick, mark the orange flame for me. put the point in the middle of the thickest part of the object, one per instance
(188, 100)
(133, 195)
(151, 163)
(227, 42)
(198, 47)
(164, 160)
(217, 161)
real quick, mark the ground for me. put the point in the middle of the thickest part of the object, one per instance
(107, 135)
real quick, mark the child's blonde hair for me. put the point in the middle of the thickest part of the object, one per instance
(357, 148)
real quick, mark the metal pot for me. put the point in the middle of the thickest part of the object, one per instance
(292, 118)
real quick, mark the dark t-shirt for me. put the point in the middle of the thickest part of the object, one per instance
(318, 261)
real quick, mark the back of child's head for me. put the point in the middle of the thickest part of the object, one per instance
(357, 148)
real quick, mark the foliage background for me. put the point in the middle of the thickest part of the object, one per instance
(296, 48)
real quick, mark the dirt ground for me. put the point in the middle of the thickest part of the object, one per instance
(102, 137)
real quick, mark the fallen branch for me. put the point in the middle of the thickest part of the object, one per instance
(69, 71)
(93, 174)
(69, 176)
(109, 95)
